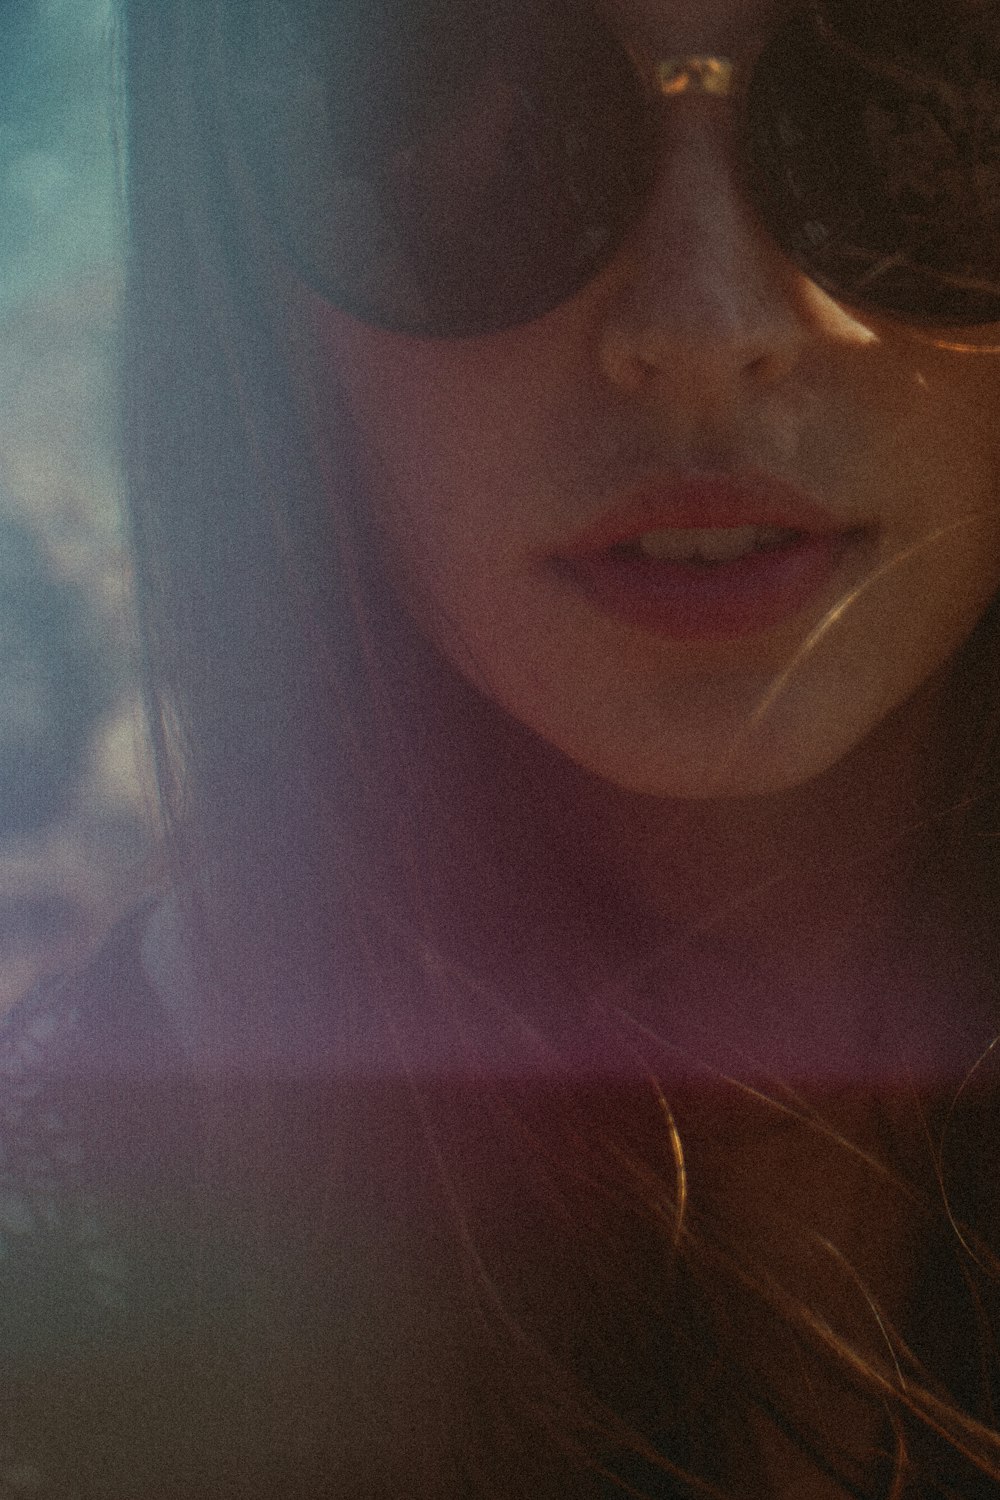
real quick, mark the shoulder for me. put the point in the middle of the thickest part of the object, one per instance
(67, 1280)
(116, 1255)
(106, 1017)
(74, 1056)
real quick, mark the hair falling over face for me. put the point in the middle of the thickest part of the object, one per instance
(544, 1252)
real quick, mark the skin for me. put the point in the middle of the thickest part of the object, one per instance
(699, 349)
(759, 788)
(762, 790)
(708, 770)
(707, 766)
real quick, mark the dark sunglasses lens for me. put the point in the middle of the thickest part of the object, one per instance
(873, 151)
(440, 168)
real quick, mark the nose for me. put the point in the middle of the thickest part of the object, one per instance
(703, 303)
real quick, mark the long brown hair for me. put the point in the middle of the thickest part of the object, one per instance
(386, 887)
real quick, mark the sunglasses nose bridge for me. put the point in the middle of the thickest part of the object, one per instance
(700, 74)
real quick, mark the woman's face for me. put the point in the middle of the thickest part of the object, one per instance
(699, 383)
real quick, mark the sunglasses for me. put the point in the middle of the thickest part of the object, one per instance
(450, 168)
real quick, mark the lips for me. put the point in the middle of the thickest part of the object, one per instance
(723, 557)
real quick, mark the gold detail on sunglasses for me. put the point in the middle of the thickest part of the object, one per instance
(694, 75)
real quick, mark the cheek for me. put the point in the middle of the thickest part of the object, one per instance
(475, 455)
(457, 443)
(934, 469)
(478, 407)
(948, 459)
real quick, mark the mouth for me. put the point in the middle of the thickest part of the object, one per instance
(709, 558)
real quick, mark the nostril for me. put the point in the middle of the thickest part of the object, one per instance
(697, 351)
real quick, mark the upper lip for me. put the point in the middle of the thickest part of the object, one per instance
(702, 501)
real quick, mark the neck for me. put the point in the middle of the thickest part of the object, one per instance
(743, 864)
(783, 917)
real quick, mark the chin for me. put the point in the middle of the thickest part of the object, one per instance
(714, 767)
(711, 783)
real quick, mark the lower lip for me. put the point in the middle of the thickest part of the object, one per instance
(708, 601)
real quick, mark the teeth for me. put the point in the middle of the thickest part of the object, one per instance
(712, 544)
